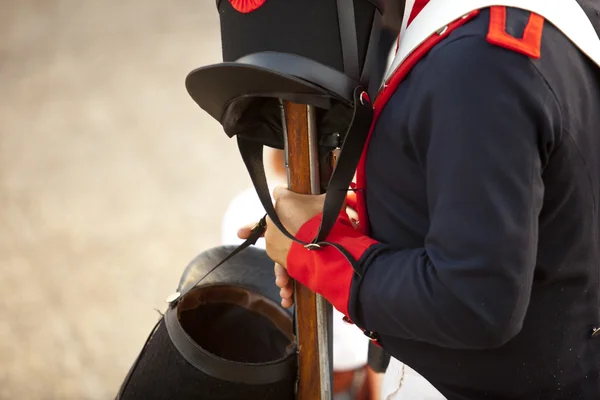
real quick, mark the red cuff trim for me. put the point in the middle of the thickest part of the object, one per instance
(326, 271)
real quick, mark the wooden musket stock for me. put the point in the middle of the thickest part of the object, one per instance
(312, 311)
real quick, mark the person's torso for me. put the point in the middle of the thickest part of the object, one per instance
(554, 356)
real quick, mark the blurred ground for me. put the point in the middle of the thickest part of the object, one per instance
(111, 180)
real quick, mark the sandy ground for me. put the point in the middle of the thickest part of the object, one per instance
(111, 180)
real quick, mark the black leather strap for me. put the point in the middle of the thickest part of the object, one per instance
(254, 374)
(347, 22)
(255, 234)
(351, 150)
(371, 58)
(383, 48)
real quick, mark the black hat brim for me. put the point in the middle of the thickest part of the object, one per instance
(215, 86)
(267, 74)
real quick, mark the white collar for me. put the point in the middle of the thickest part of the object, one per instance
(408, 7)
(567, 16)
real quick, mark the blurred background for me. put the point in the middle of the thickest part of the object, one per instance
(111, 180)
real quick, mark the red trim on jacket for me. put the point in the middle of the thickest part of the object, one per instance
(531, 42)
(326, 271)
(381, 100)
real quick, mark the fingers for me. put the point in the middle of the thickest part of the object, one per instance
(287, 303)
(281, 276)
(286, 285)
(279, 192)
(287, 296)
(244, 232)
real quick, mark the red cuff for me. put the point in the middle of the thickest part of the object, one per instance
(326, 271)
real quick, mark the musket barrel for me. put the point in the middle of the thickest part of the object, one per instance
(324, 309)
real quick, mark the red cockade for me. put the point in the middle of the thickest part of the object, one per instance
(246, 6)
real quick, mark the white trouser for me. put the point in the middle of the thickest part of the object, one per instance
(401, 382)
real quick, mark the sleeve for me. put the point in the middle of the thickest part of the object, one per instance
(483, 122)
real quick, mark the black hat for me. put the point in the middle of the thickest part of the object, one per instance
(308, 51)
(227, 338)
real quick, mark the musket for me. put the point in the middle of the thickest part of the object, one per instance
(313, 312)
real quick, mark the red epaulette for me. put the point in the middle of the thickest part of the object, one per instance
(531, 42)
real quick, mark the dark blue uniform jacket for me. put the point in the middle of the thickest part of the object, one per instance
(482, 266)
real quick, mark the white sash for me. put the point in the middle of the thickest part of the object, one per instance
(566, 15)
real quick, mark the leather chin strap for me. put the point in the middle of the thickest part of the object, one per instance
(351, 150)
(337, 188)
(349, 41)
(339, 183)
(347, 23)
(255, 234)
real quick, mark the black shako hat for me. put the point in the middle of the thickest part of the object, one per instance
(314, 52)
(226, 337)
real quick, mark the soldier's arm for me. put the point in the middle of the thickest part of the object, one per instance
(483, 123)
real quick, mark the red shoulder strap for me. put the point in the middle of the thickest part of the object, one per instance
(531, 42)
